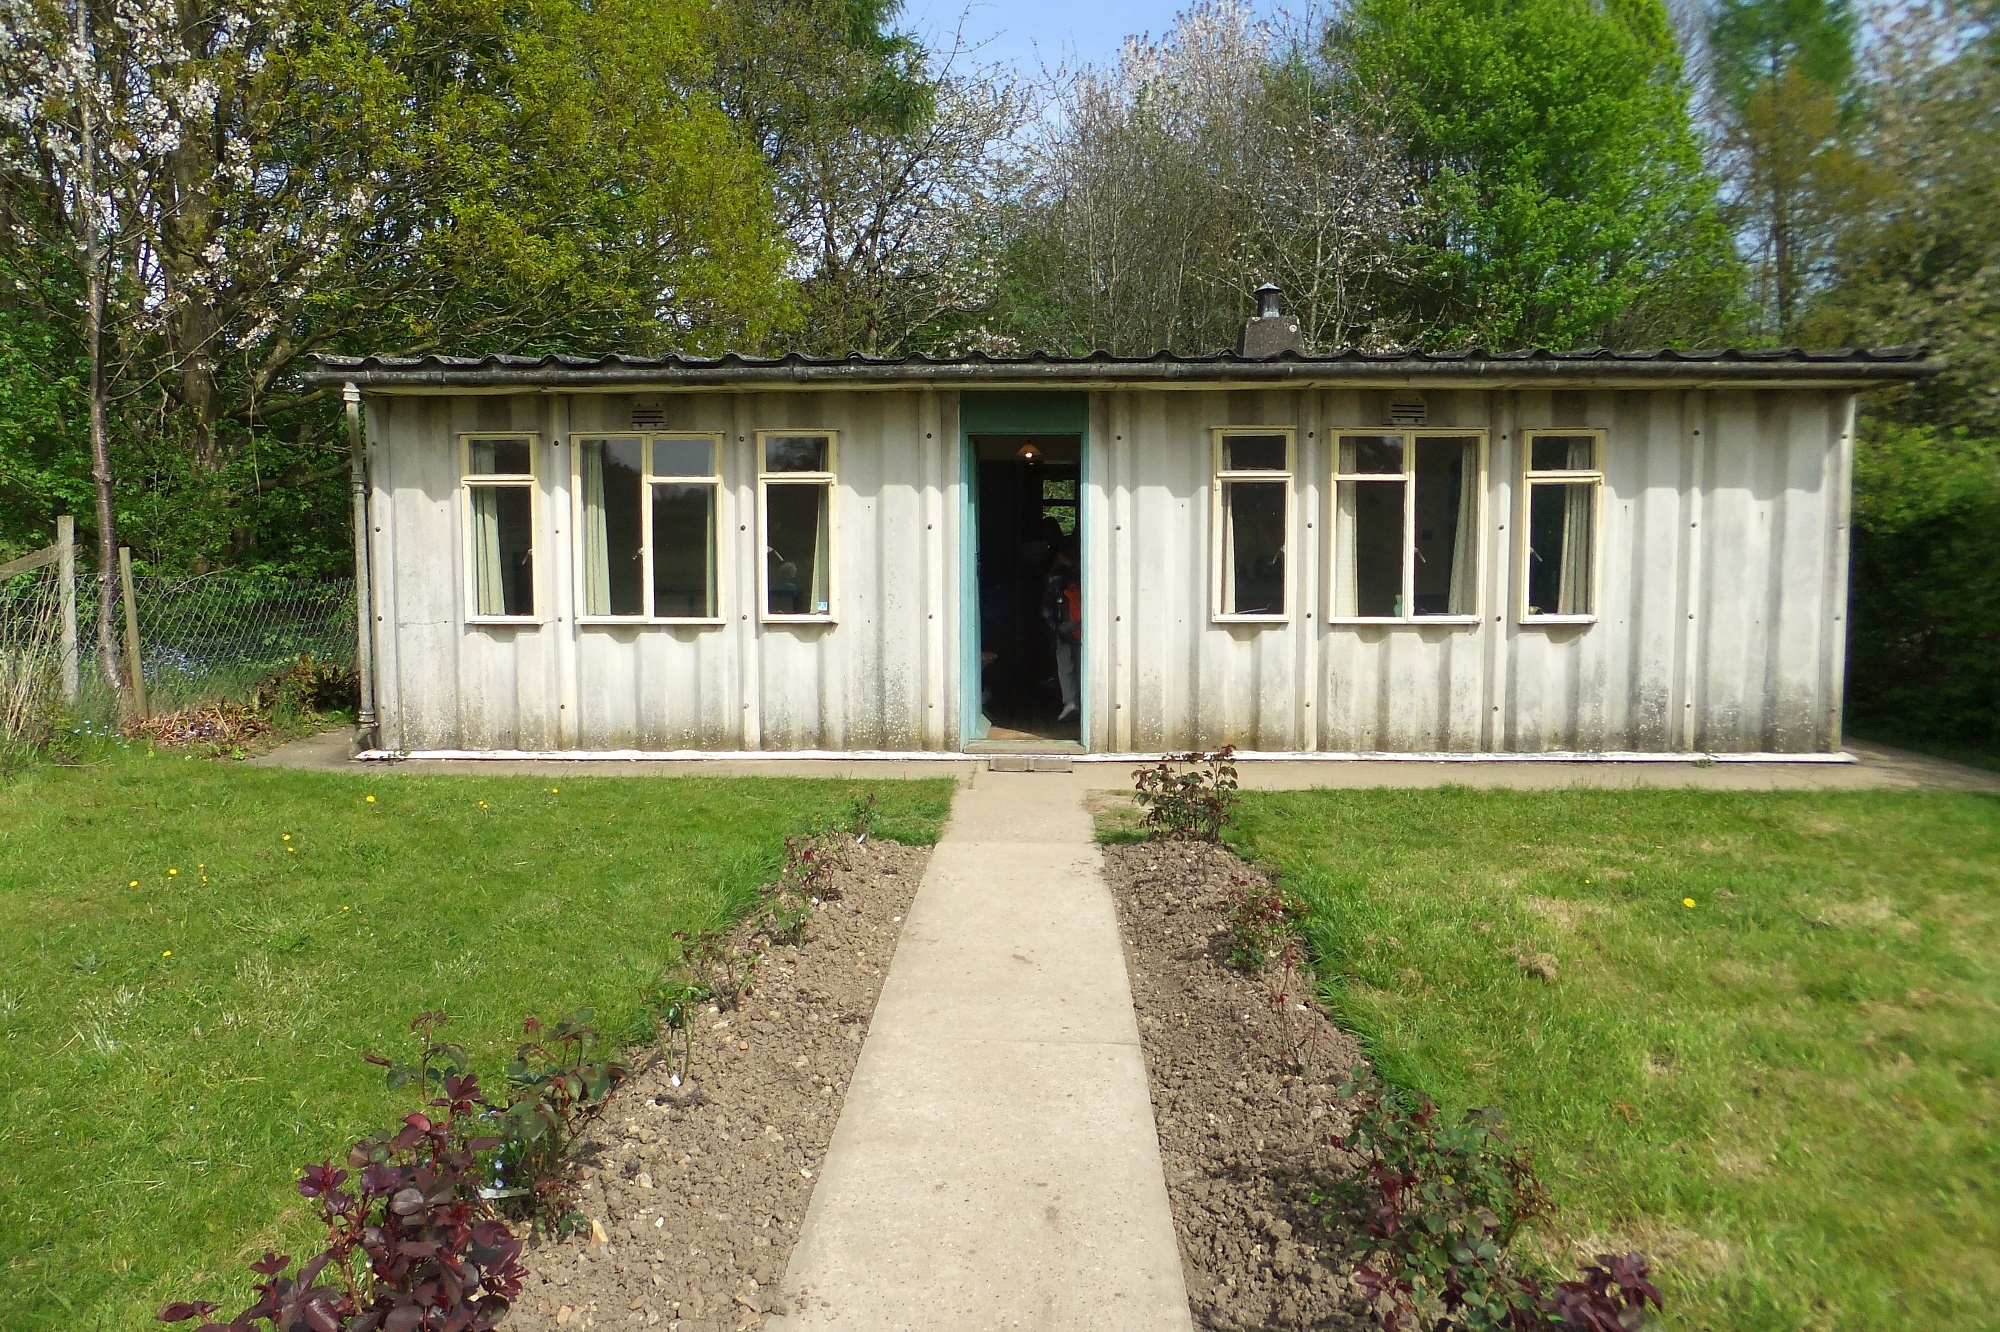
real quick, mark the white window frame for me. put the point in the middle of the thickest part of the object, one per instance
(648, 478)
(830, 480)
(1530, 478)
(468, 480)
(1218, 574)
(1408, 477)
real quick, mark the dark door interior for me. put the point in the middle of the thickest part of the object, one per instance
(1027, 501)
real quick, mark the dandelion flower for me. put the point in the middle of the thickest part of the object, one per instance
(173, 874)
(168, 953)
(292, 849)
(555, 790)
(133, 884)
(1687, 901)
(482, 804)
(347, 908)
(370, 799)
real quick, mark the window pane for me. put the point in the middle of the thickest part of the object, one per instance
(1561, 531)
(684, 551)
(1379, 454)
(1370, 555)
(1562, 453)
(683, 457)
(608, 475)
(1447, 508)
(1253, 547)
(795, 520)
(795, 453)
(499, 457)
(1253, 453)
(503, 555)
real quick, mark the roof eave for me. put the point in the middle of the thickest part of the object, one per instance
(373, 376)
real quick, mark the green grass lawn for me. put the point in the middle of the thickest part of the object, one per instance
(197, 954)
(1788, 1092)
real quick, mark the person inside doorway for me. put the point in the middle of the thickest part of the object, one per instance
(1062, 607)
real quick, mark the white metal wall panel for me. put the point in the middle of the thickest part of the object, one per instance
(1716, 626)
(876, 679)
(1721, 593)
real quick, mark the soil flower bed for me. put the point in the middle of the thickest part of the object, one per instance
(1245, 1138)
(693, 1193)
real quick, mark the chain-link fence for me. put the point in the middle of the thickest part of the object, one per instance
(201, 640)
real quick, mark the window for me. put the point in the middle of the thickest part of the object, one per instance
(499, 475)
(650, 511)
(1406, 524)
(1564, 477)
(1253, 497)
(796, 486)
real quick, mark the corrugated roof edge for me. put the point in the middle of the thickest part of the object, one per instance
(1790, 364)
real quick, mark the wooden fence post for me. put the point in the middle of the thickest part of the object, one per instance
(132, 663)
(66, 575)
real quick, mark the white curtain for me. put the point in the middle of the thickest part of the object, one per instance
(1465, 537)
(596, 541)
(1347, 538)
(1573, 587)
(1579, 501)
(488, 581)
(821, 600)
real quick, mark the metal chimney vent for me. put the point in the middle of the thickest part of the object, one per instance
(1270, 332)
(648, 415)
(1414, 413)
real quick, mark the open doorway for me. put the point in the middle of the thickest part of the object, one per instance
(1030, 630)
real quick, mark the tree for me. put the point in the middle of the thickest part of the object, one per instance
(276, 177)
(1167, 188)
(1910, 258)
(1564, 190)
(891, 166)
(1783, 71)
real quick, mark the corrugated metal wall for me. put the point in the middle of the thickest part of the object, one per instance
(875, 680)
(1721, 596)
(1720, 622)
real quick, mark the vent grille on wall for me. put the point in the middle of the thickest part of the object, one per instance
(648, 415)
(1408, 413)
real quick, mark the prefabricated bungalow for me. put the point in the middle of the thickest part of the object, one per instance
(1526, 553)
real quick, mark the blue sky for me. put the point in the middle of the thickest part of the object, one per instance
(1029, 33)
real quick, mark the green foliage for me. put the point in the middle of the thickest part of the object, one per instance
(1752, 41)
(1187, 797)
(1771, 1060)
(1442, 1202)
(155, 1104)
(556, 1079)
(1924, 665)
(1565, 191)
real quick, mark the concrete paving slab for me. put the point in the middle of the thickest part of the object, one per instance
(1874, 767)
(996, 1164)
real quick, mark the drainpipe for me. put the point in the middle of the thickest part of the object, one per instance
(364, 601)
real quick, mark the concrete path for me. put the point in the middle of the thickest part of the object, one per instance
(1875, 767)
(996, 1164)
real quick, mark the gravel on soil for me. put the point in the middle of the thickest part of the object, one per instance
(1244, 1138)
(695, 1193)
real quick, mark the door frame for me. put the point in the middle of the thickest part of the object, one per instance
(1016, 412)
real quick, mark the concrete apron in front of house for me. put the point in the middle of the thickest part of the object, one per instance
(996, 1165)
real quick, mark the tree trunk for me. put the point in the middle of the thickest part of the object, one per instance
(91, 245)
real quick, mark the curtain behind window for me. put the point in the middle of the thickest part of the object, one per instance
(1465, 537)
(488, 577)
(596, 541)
